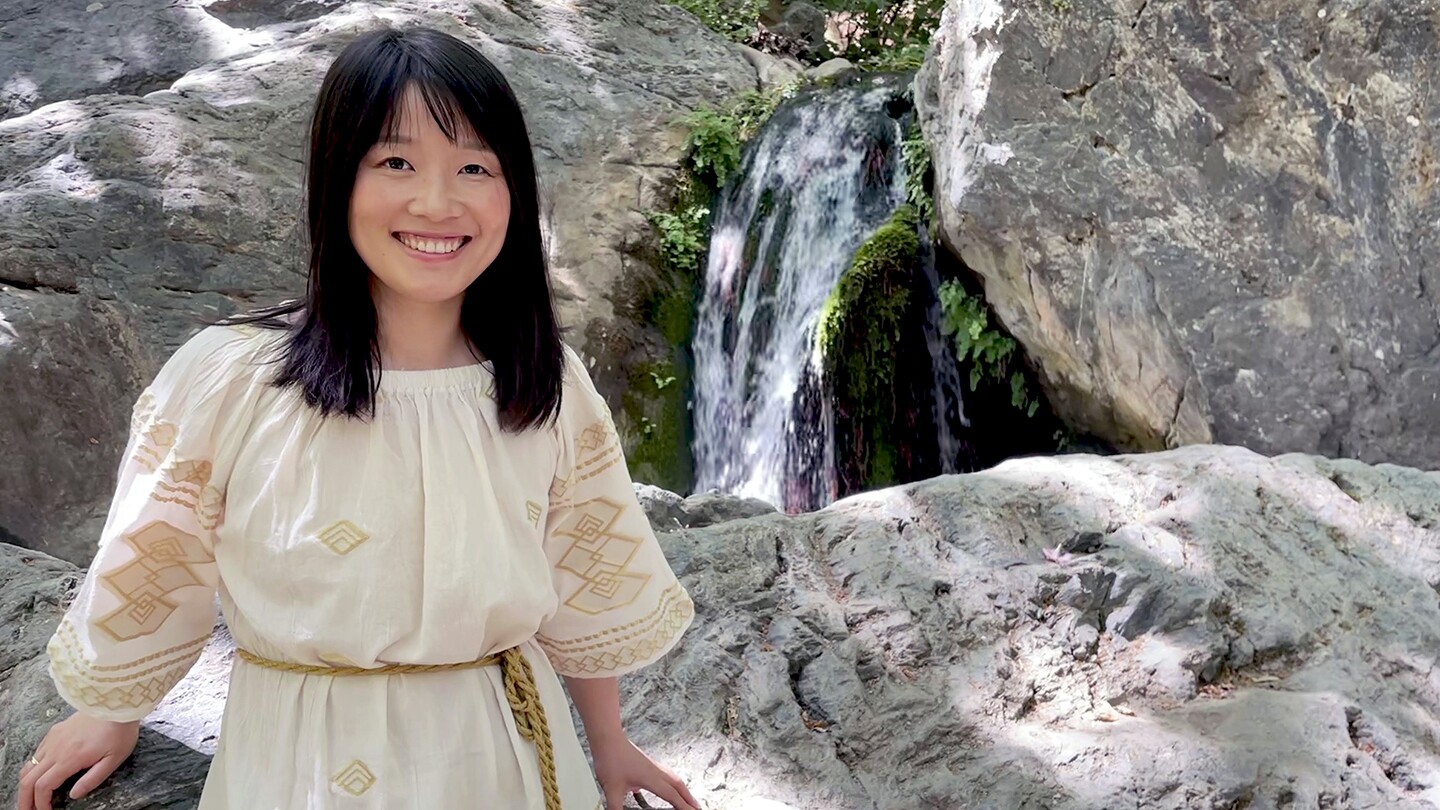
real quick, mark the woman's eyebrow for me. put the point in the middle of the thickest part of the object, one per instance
(470, 143)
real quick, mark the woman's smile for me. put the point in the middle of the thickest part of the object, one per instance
(431, 247)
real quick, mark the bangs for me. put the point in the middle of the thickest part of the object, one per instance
(454, 118)
(462, 104)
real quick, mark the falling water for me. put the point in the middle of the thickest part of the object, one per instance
(821, 177)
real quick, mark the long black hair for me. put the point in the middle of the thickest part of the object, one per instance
(332, 353)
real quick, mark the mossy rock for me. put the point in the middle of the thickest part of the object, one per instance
(860, 332)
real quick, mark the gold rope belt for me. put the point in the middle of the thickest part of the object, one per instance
(520, 692)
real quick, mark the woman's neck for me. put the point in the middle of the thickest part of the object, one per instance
(418, 335)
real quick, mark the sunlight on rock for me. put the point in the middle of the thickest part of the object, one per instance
(8, 335)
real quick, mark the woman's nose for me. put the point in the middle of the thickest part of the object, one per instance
(434, 199)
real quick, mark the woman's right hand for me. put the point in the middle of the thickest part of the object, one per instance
(72, 745)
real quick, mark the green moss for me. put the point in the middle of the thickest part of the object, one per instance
(859, 333)
(654, 406)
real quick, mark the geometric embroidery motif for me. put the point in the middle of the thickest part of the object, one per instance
(560, 488)
(343, 537)
(164, 555)
(156, 440)
(131, 685)
(592, 438)
(187, 483)
(144, 410)
(354, 778)
(599, 555)
(622, 647)
(597, 449)
(532, 510)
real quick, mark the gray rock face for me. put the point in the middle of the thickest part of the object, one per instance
(1196, 629)
(1204, 222)
(668, 511)
(129, 221)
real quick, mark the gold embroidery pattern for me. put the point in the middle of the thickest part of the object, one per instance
(187, 484)
(139, 683)
(355, 778)
(639, 641)
(164, 556)
(143, 412)
(599, 554)
(156, 441)
(597, 449)
(343, 537)
(560, 488)
(532, 510)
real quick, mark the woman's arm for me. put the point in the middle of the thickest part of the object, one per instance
(598, 701)
(619, 766)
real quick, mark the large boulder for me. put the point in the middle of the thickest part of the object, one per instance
(1198, 628)
(1205, 222)
(130, 220)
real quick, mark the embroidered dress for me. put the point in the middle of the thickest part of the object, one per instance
(423, 536)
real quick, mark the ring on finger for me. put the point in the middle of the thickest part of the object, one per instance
(34, 761)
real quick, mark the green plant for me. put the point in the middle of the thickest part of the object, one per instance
(712, 147)
(682, 237)
(736, 20)
(908, 56)
(662, 383)
(883, 32)
(990, 353)
(915, 157)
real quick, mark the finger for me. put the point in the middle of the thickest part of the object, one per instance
(667, 792)
(97, 774)
(685, 793)
(53, 776)
(614, 799)
(25, 796)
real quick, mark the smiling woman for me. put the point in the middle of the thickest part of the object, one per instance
(416, 519)
(428, 214)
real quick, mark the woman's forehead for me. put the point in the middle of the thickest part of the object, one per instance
(411, 120)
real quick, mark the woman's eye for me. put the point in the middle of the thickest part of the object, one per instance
(474, 168)
(396, 163)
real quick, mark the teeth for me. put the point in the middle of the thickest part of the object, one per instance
(431, 245)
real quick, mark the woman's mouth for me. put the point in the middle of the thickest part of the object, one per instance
(432, 246)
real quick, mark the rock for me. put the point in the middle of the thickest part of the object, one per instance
(1209, 223)
(55, 50)
(1209, 628)
(130, 221)
(830, 69)
(668, 511)
(772, 71)
(804, 23)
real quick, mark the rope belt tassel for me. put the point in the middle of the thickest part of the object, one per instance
(520, 692)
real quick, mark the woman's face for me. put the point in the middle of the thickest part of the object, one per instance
(427, 216)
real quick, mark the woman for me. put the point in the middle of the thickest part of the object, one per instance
(405, 489)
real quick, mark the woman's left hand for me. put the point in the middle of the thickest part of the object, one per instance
(621, 767)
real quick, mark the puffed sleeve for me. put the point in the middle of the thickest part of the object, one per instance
(621, 607)
(146, 607)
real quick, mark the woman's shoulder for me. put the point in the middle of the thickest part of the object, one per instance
(218, 358)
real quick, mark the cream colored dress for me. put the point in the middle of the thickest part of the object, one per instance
(423, 536)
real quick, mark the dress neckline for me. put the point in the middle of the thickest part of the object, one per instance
(429, 379)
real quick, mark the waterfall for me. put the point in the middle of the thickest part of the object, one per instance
(818, 180)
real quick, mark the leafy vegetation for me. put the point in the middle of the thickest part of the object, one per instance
(990, 353)
(883, 32)
(736, 20)
(878, 35)
(682, 236)
(915, 157)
